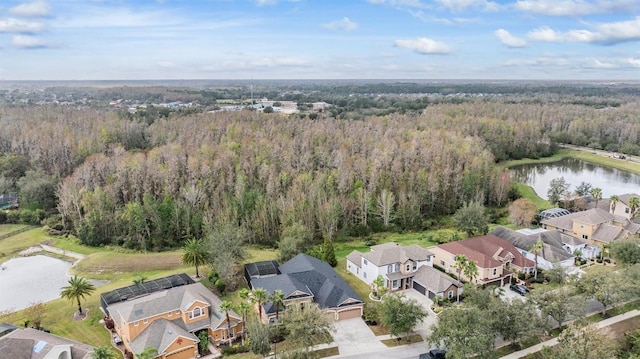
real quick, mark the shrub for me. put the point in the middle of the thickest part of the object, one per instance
(220, 286)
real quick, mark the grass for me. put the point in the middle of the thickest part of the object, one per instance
(11, 246)
(527, 192)
(411, 339)
(8, 228)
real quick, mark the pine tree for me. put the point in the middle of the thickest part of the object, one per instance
(329, 254)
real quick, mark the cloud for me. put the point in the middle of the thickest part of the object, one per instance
(606, 33)
(575, 7)
(400, 3)
(29, 42)
(166, 64)
(265, 62)
(272, 2)
(461, 5)
(509, 40)
(542, 61)
(36, 8)
(423, 45)
(343, 24)
(20, 26)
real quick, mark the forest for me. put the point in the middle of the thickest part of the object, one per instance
(152, 182)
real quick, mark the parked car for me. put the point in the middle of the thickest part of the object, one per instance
(520, 289)
(434, 354)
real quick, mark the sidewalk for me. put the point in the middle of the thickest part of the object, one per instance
(549, 343)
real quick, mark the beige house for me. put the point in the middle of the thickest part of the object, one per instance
(496, 259)
(170, 320)
(596, 226)
(621, 207)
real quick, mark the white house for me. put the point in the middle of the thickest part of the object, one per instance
(397, 264)
(621, 207)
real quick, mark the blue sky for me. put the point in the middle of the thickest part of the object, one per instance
(319, 39)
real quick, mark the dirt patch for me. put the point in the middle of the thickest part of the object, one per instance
(77, 316)
(625, 326)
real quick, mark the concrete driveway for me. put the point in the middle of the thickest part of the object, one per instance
(354, 336)
(508, 294)
(423, 328)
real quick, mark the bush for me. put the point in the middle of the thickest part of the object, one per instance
(13, 217)
(220, 286)
(599, 260)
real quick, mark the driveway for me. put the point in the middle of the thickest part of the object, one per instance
(423, 328)
(354, 336)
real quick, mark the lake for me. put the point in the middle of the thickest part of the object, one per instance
(26, 280)
(610, 180)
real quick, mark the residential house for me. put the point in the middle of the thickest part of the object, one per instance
(396, 264)
(168, 314)
(621, 207)
(595, 226)
(558, 249)
(305, 279)
(496, 258)
(434, 283)
(28, 343)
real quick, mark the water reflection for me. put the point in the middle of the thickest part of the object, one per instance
(610, 180)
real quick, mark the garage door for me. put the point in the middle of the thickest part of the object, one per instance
(419, 288)
(350, 313)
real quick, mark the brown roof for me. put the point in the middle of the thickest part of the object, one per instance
(624, 198)
(483, 249)
(592, 216)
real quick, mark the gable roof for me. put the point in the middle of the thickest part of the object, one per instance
(160, 335)
(30, 343)
(553, 249)
(624, 198)
(482, 250)
(389, 253)
(433, 279)
(592, 216)
(307, 273)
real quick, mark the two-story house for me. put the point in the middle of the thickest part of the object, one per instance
(396, 264)
(622, 207)
(304, 279)
(169, 314)
(496, 259)
(596, 226)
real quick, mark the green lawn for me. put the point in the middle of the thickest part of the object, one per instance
(8, 228)
(10, 247)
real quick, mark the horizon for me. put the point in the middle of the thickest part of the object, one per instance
(439, 40)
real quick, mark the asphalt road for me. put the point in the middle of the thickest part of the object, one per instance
(599, 152)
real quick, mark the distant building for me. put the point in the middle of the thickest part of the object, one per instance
(28, 343)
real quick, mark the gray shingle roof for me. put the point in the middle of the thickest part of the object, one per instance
(592, 216)
(608, 233)
(160, 334)
(20, 344)
(307, 273)
(433, 279)
(552, 247)
(389, 253)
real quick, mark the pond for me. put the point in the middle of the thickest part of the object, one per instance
(26, 280)
(610, 180)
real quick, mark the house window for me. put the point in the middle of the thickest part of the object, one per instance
(429, 259)
(581, 225)
(397, 267)
(364, 274)
(524, 254)
(450, 295)
(495, 271)
(170, 314)
(365, 262)
(145, 321)
(408, 267)
(395, 284)
(197, 312)
(135, 324)
(390, 268)
(415, 265)
(626, 210)
(584, 236)
(177, 312)
(442, 263)
(357, 270)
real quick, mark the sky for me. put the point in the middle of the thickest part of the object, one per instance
(320, 39)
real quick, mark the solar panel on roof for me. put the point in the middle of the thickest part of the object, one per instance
(39, 346)
(122, 294)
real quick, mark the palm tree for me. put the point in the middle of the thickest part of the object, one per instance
(78, 288)
(596, 193)
(102, 352)
(470, 270)
(147, 353)
(194, 254)
(536, 248)
(613, 201)
(243, 308)
(226, 306)
(277, 298)
(634, 203)
(461, 263)
(259, 296)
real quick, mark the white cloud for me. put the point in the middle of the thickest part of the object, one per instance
(634, 62)
(36, 8)
(20, 26)
(576, 7)
(272, 2)
(461, 5)
(542, 61)
(342, 24)
(597, 64)
(28, 42)
(509, 40)
(400, 3)
(423, 45)
(166, 64)
(605, 33)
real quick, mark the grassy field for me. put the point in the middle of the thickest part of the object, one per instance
(10, 247)
(8, 228)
